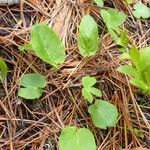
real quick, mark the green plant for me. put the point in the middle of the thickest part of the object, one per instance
(138, 133)
(129, 1)
(46, 45)
(31, 86)
(88, 36)
(99, 2)
(102, 112)
(140, 69)
(113, 20)
(72, 138)
(88, 90)
(123, 41)
(3, 70)
(141, 11)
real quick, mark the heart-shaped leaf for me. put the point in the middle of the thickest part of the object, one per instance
(141, 11)
(72, 138)
(31, 86)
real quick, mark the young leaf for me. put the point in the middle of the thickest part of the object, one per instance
(125, 69)
(103, 114)
(88, 90)
(88, 36)
(113, 20)
(123, 41)
(95, 91)
(88, 81)
(134, 55)
(139, 83)
(87, 95)
(99, 2)
(138, 133)
(141, 11)
(31, 86)
(3, 70)
(47, 45)
(72, 138)
(143, 62)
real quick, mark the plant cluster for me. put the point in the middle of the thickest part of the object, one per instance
(45, 44)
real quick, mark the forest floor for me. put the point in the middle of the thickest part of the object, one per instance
(36, 125)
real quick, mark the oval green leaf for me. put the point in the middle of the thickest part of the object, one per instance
(88, 36)
(47, 45)
(103, 114)
(72, 138)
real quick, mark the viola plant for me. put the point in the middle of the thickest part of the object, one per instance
(102, 112)
(30, 86)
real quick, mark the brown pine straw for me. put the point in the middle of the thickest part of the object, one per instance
(36, 125)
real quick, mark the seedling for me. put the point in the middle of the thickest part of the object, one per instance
(113, 20)
(140, 69)
(3, 70)
(72, 138)
(46, 45)
(102, 112)
(88, 90)
(138, 133)
(31, 86)
(99, 3)
(141, 11)
(88, 36)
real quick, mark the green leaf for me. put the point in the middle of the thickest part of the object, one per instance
(72, 138)
(88, 36)
(113, 20)
(134, 55)
(30, 92)
(3, 70)
(123, 41)
(125, 69)
(125, 55)
(88, 81)
(99, 2)
(87, 95)
(138, 133)
(143, 62)
(95, 91)
(141, 11)
(31, 85)
(47, 45)
(103, 114)
(139, 84)
(26, 47)
(129, 1)
(88, 90)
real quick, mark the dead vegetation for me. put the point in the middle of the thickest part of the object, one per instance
(37, 125)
